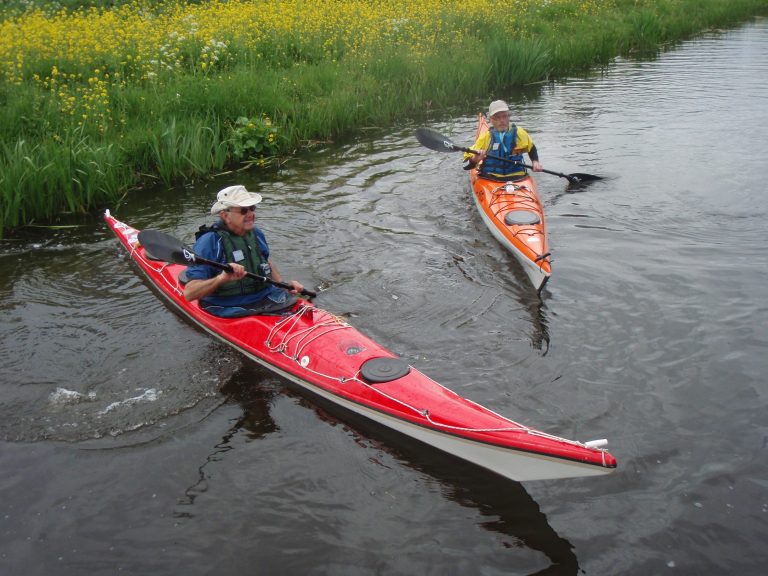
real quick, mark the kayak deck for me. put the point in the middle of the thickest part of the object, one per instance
(513, 213)
(325, 355)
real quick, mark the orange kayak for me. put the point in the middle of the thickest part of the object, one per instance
(513, 213)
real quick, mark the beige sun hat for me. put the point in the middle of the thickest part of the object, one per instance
(497, 106)
(234, 196)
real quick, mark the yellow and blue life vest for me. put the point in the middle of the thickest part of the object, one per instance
(502, 144)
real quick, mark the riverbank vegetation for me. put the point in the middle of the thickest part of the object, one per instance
(99, 96)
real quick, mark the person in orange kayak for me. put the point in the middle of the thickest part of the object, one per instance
(504, 140)
(235, 239)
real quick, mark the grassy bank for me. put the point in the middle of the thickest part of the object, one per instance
(99, 96)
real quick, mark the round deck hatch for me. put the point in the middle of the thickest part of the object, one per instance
(378, 370)
(521, 218)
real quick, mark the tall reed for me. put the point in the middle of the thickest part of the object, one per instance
(516, 61)
(39, 181)
(190, 148)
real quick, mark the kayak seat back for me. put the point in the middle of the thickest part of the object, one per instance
(493, 178)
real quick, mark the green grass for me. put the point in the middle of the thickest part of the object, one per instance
(52, 178)
(189, 148)
(516, 61)
(186, 127)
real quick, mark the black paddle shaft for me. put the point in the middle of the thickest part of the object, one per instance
(436, 141)
(166, 247)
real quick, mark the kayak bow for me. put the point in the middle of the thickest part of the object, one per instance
(323, 354)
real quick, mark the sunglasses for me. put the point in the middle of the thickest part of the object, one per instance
(243, 210)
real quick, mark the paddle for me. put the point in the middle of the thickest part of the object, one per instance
(433, 140)
(166, 247)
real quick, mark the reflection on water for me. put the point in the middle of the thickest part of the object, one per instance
(255, 401)
(503, 507)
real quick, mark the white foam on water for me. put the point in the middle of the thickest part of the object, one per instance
(64, 397)
(149, 395)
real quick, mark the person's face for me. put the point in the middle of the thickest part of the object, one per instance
(239, 220)
(500, 120)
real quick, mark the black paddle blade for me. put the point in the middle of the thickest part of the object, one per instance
(165, 247)
(578, 178)
(433, 140)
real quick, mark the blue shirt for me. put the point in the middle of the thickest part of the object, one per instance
(210, 247)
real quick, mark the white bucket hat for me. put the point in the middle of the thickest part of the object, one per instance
(497, 106)
(234, 196)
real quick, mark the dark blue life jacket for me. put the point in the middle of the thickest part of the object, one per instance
(250, 257)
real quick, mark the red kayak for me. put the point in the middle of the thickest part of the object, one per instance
(326, 356)
(513, 213)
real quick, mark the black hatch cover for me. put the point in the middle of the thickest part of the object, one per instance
(377, 370)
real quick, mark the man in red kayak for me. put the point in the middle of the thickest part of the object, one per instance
(504, 140)
(234, 239)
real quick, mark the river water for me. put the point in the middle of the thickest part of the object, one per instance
(133, 443)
